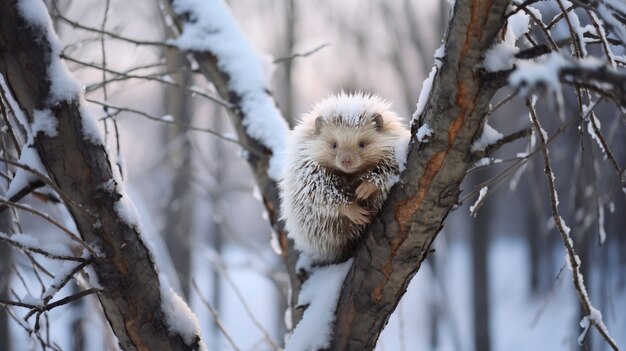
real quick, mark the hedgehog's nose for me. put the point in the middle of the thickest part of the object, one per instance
(347, 161)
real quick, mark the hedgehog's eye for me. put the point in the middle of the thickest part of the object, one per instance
(361, 144)
(334, 144)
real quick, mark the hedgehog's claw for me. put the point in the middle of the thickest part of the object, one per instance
(365, 190)
(355, 213)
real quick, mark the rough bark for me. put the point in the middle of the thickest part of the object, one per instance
(399, 239)
(130, 294)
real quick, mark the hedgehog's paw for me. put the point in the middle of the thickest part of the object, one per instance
(365, 190)
(357, 214)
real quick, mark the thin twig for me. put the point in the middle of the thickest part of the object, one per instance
(573, 258)
(304, 54)
(176, 123)
(47, 217)
(155, 79)
(113, 35)
(61, 302)
(215, 315)
(44, 179)
(38, 250)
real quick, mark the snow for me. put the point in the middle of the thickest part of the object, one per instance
(23, 178)
(90, 129)
(425, 93)
(44, 121)
(66, 269)
(543, 70)
(17, 110)
(593, 119)
(488, 137)
(178, 316)
(62, 85)
(486, 161)
(401, 148)
(31, 300)
(501, 56)
(212, 28)
(481, 196)
(424, 133)
(125, 209)
(321, 292)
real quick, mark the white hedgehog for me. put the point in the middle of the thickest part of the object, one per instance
(340, 160)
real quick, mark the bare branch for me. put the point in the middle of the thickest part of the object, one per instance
(564, 231)
(304, 54)
(173, 122)
(111, 34)
(215, 316)
(38, 250)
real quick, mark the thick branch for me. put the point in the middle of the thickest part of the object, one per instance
(131, 294)
(212, 66)
(400, 237)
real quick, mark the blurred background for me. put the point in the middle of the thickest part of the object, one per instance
(495, 282)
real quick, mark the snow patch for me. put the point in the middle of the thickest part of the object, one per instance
(427, 85)
(62, 85)
(488, 137)
(401, 149)
(481, 196)
(321, 293)
(501, 56)
(90, 128)
(45, 121)
(178, 315)
(23, 178)
(424, 133)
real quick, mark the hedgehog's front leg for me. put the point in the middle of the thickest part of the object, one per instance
(373, 181)
(355, 213)
(365, 190)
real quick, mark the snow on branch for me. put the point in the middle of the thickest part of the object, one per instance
(314, 331)
(211, 28)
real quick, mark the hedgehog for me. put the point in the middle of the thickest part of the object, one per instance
(340, 164)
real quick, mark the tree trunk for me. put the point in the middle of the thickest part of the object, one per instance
(400, 237)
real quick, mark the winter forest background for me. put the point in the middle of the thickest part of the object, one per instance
(498, 277)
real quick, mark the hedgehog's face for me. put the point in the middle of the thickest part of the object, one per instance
(348, 149)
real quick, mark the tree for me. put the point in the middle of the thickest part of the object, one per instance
(479, 57)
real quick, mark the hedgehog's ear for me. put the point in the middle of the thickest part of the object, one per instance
(378, 121)
(319, 123)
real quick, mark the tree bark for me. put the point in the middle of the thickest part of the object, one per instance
(399, 239)
(131, 295)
